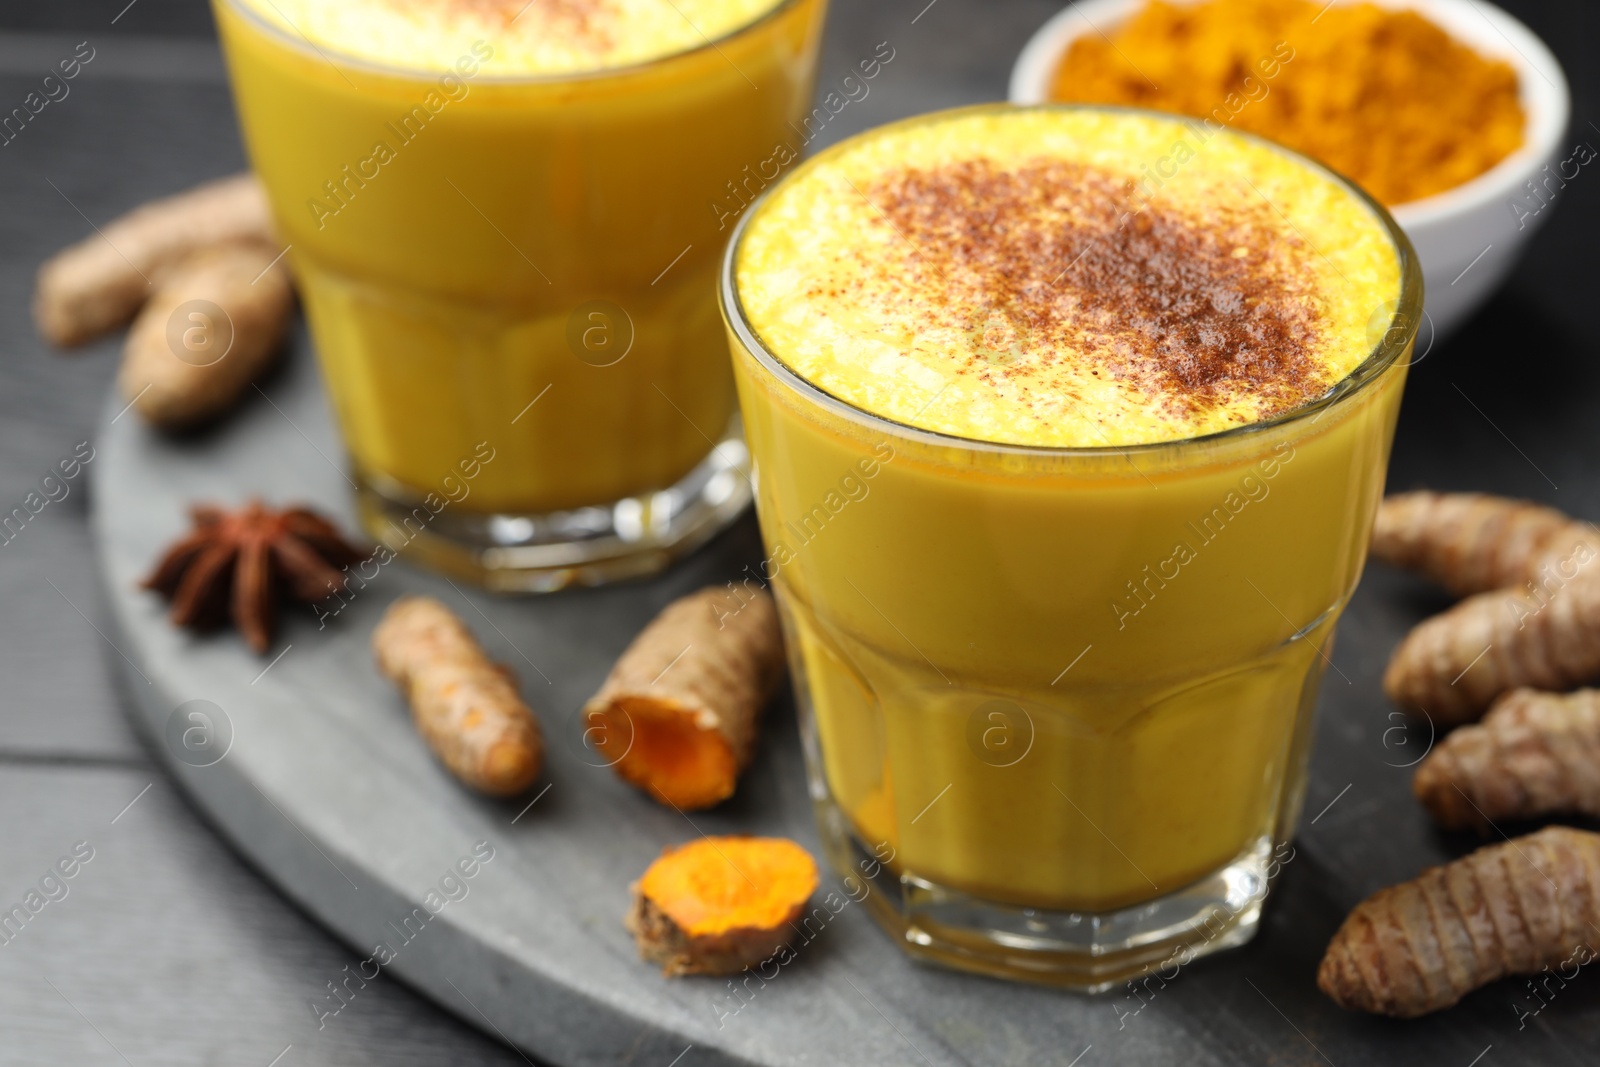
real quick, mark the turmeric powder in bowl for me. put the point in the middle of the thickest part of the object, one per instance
(1385, 97)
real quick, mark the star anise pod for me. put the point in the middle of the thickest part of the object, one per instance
(239, 564)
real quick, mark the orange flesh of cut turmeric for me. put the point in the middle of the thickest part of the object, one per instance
(662, 749)
(679, 714)
(716, 885)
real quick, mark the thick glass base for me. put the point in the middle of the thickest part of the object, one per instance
(539, 553)
(1089, 952)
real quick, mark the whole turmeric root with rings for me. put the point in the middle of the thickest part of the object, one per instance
(721, 904)
(464, 705)
(99, 283)
(1473, 542)
(212, 327)
(1534, 754)
(1452, 666)
(1512, 908)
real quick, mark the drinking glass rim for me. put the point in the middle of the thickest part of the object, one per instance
(1407, 312)
(304, 46)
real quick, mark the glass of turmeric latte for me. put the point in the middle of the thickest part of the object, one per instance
(505, 219)
(1065, 473)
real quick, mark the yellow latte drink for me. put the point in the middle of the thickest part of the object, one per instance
(504, 218)
(1069, 425)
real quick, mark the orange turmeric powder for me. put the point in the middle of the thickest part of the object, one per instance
(1386, 98)
(720, 904)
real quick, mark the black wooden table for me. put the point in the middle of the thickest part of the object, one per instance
(168, 949)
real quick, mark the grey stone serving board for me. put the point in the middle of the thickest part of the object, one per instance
(327, 790)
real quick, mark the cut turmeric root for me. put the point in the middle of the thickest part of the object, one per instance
(720, 904)
(1512, 908)
(464, 705)
(1473, 542)
(1454, 664)
(1534, 754)
(679, 714)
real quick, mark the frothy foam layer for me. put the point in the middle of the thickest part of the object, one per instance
(1073, 278)
(527, 36)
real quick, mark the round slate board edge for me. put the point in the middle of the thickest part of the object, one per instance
(562, 1025)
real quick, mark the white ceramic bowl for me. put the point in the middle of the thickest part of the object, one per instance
(1468, 238)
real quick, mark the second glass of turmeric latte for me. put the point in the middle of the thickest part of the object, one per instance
(503, 220)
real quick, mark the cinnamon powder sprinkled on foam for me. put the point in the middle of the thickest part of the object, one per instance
(524, 37)
(588, 24)
(1189, 310)
(1066, 277)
